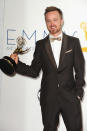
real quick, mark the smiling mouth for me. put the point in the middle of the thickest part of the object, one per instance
(53, 27)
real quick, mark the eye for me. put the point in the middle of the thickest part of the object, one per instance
(48, 21)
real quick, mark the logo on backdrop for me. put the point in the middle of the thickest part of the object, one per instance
(83, 26)
(32, 38)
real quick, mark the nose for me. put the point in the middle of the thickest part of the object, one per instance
(52, 23)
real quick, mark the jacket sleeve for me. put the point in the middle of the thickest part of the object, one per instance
(35, 67)
(79, 66)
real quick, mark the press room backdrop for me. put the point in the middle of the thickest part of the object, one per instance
(19, 105)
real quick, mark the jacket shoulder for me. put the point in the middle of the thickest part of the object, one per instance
(72, 37)
(41, 41)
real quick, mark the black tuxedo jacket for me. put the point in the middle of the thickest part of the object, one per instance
(69, 76)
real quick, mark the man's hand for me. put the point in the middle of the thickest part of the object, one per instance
(78, 98)
(14, 57)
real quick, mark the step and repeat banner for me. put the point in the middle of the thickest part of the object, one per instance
(19, 105)
(1, 47)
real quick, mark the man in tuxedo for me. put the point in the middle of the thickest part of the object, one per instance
(62, 63)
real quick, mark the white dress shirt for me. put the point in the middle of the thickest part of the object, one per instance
(56, 48)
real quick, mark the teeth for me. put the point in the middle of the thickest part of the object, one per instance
(52, 27)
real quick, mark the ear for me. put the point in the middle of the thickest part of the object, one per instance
(62, 22)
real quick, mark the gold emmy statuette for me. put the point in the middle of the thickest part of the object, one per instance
(7, 64)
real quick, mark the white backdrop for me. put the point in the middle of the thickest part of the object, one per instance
(19, 106)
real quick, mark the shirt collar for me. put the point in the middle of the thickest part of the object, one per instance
(61, 35)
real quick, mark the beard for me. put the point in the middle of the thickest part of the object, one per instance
(54, 30)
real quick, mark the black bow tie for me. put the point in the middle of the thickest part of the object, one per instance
(53, 39)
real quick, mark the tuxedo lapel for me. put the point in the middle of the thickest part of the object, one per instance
(63, 49)
(49, 51)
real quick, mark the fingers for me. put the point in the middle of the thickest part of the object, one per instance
(14, 57)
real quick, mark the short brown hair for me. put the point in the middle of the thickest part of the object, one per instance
(53, 8)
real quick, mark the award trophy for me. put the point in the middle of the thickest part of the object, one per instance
(7, 64)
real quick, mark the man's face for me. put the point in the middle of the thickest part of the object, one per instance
(54, 22)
